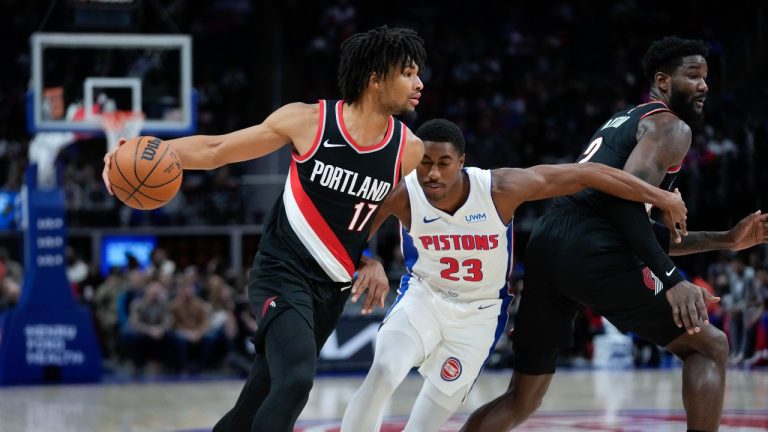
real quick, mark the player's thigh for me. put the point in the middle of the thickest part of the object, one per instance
(327, 312)
(544, 317)
(634, 302)
(415, 315)
(289, 345)
(460, 357)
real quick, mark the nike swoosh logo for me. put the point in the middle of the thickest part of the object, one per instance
(430, 220)
(669, 273)
(327, 144)
(485, 307)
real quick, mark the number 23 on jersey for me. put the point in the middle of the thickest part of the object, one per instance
(470, 270)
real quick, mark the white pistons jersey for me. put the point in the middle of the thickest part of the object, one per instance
(455, 291)
(466, 256)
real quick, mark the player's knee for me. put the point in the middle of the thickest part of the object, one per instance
(298, 384)
(716, 347)
(385, 373)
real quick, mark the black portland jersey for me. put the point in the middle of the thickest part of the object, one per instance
(612, 144)
(332, 192)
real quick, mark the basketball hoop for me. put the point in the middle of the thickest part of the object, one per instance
(121, 124)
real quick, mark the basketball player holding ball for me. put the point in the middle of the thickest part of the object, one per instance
(347, 156)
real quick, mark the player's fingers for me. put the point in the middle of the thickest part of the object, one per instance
(122, 141)
(370, 299)
(676, 316)
(701, 309)
(685, 316)
(675, 235)
(684, 226)
(381, 294)
(709, 298)
(764, 224)
(358, 287)
(691, 318)
(105, 177)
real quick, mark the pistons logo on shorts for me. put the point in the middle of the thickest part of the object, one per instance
(451, 369)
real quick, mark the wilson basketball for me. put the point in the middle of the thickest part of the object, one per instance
(145, 173)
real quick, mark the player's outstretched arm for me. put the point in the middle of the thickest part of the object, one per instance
(547, 181)
(750, 231)
(296, 123)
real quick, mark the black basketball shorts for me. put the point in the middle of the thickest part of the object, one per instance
(575, 260)
(276, 285)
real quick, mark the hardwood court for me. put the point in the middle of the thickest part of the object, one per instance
(647, 400)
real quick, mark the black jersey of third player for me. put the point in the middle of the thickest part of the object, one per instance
(332, 192)
(611, 145)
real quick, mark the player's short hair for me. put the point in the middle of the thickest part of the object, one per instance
(442, 130)
(376, 50)
(665, 55)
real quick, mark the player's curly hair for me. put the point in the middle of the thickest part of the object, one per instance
(666, 54)
(376, 50)
(442, 130)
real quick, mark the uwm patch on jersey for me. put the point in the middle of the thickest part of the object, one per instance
(333, 190)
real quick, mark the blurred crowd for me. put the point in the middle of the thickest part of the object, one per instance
(528, 83)
(164, 318)
(159, 318)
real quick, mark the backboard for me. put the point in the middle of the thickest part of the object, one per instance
(77, 76)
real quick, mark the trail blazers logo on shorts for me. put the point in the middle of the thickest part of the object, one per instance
(651, 281)
(268, 303)
(451, 369)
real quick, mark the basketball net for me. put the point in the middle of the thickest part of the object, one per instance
(121, 124)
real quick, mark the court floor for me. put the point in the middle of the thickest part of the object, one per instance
(589, 400)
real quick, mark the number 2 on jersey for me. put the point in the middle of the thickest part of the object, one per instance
(358, 210)
(592, 148)
(474, 269)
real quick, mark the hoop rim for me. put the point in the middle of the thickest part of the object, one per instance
(115, 120)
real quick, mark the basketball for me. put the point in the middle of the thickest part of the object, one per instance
(145, 173)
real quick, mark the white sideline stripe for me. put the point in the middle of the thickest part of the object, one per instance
(333, 268)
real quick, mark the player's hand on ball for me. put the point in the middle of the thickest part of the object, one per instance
(143, 172)
(370, 277)
(689, 305)
(108, 163)
(675, 214)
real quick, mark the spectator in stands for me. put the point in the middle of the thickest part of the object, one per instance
(77, 269)
(152, 321)
(740, 280)
(13, 269)
(10, 290)
(222, 328)
(160, 267)
(761, 338)
(132, 290)
(106, 304)
(191, 321)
